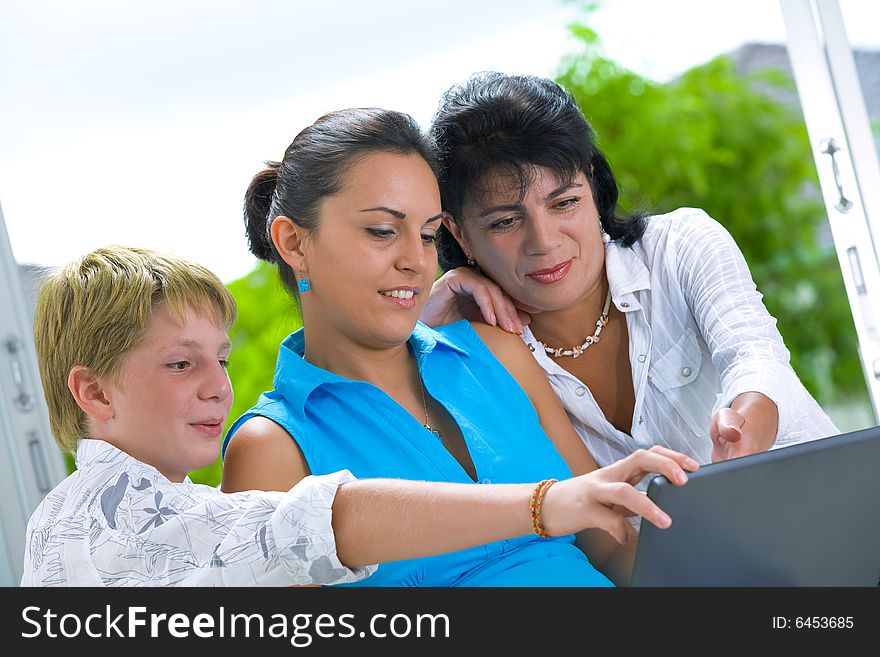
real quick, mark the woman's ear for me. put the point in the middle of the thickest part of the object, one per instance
(290, 241)
(457, 233)
(89, 393)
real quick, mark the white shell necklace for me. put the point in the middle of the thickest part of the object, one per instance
(576, 351)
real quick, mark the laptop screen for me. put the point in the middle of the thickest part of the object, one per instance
(804, 515)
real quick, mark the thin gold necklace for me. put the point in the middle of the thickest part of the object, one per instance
(578, 350)
(427, 426)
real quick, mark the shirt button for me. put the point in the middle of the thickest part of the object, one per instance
(641, 358)
(580, 391)
(686, 371)
(531, 347)
(485, 480)
(624, 305)
(641, 419)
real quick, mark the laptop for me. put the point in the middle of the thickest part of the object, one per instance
(803, 515)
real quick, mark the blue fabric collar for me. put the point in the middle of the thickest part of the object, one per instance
(296, 379)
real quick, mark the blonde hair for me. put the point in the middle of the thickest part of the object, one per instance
(95, 310)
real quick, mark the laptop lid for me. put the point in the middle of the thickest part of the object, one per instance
(803, 515)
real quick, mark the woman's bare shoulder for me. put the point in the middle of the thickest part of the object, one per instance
(262, 455)
(512, 353)
(500, 342)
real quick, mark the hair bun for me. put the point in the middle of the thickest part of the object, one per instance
(257, 204)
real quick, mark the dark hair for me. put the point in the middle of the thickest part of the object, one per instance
(314, 167)
(513, 123)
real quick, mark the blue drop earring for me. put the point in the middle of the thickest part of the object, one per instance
(303, 284)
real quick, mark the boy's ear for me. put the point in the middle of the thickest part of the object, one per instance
(88, 391)
(457, 233)
(290, 241)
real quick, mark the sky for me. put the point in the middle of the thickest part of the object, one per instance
(142, 122)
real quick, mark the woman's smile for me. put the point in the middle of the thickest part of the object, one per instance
(552, 274)
(403, 296)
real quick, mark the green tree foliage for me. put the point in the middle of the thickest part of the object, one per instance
(714, 139)
(266, 315)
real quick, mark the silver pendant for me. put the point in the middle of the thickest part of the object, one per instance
(436, 432)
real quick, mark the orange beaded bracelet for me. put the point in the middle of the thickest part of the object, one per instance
(535, 503)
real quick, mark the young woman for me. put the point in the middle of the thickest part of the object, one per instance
(349, 216)
(650, 330)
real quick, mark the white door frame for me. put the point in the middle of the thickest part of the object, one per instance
(846, 161)
(30, 461)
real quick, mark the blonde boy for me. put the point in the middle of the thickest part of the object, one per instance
(132, 349)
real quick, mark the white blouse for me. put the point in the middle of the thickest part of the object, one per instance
(699, 336)
(119, 522)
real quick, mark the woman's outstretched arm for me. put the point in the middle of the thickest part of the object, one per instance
(378, 520)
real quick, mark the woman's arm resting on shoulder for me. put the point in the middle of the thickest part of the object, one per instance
(463, 293)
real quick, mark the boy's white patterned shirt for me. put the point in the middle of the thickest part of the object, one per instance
(119, 522)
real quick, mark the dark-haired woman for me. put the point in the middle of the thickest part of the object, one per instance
(650, 330)
(349, 217)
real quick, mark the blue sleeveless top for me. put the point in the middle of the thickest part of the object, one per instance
(341, 423)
